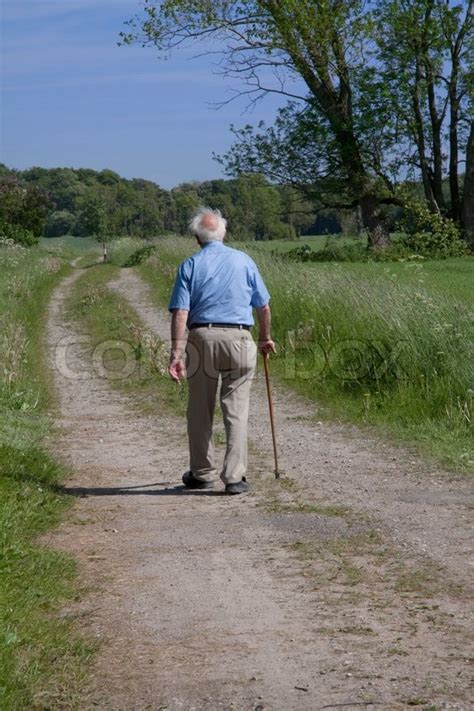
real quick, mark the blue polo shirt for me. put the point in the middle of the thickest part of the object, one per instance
(219, 285)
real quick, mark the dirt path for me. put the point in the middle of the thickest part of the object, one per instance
(207, 602)
(421, 506)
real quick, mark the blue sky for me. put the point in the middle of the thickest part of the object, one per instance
(72, 97)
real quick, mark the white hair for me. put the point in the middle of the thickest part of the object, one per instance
(207, 234)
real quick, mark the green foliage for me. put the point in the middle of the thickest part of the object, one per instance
(59, 223)
(132, 207)
(424, 49)
(387, 344)
(92, 220)
(429, 233)
(257, 210)
(16, 234)
(332, 252)
(24, 207)
(378, 84)
(297, 150)
(254, 207)
(140, 255)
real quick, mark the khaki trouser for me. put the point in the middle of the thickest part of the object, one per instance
(228, 354)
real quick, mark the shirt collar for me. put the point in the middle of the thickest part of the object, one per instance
(212, 243)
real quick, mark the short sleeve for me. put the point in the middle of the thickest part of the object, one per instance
(260, 295)
(181, 296)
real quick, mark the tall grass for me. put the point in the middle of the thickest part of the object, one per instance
(384, 345)
(39, 656)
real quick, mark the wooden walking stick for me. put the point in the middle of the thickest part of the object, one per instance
(270, 407)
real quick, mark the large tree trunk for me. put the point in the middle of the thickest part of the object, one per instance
(468, 194)
(426, 173)
(436, 177)
(453, 162)
(437, 147)
(459, 209)
(378, 235)
(453, 136)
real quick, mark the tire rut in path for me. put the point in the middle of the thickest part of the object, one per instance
(197, 599)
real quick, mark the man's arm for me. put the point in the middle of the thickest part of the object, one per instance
(177, 368)
(264, 318)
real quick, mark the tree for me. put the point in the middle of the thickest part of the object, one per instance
(423, 53)
(356, 75)
(59, 223)
(313, 41)
(92, 220)
(297, 151)
(468, 197)
(25, 206)
(61, 183)
(257, 210)
(185, 199)
(296, 210)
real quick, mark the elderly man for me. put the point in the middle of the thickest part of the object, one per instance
(213, 296)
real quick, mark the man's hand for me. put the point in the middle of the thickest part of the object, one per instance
(265, 343)
(266, 346)
(177, 368)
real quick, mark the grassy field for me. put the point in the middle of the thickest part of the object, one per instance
(41, 656)
(383, 344)
(68, 243)
(316, 242)
(451, 276)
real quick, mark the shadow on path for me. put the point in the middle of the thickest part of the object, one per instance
(179, 490)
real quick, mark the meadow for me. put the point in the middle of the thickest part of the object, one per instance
(41, 657)
(387, 345)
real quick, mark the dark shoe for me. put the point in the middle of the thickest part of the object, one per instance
(240, 487)
(192, 483)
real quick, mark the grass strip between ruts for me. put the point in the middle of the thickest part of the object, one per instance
(134, 359)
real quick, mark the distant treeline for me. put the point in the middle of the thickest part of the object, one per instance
(59, 201)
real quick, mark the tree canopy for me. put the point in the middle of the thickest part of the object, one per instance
(374, 86)
(102, 204)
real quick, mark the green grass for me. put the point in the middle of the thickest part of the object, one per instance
(42, 658)
(382, 344)
(316, 242)
(69, 243)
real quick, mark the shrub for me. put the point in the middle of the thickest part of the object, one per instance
(24, 205)
(331, 252)
(17, 234)
(140, 255)
(59, 223)
(429, 233)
